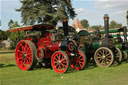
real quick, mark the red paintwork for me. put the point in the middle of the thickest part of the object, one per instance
(29, 38)
(78, 62)
(71, 46)
(23, 63)
(46, 49)
(44, 40)
(60, 62)
(34, 27)
(39, 53)
(47, 45)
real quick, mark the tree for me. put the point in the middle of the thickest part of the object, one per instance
(12, 24)
(97, 27)
(4, 35)
(85, 23)
(45, 11)
(127, 16)
(15, 36)
(1, 35)
(114, 24)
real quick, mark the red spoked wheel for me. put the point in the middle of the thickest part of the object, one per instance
(78, 62)
(25, 55)
(60, 62)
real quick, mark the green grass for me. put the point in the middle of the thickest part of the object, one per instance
(10, 74)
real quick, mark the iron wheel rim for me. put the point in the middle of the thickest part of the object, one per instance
(60, 62)
(79, 62)
(118, 56)
(104, 57)
(24, 55)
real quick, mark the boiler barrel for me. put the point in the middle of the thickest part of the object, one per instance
(96, 45)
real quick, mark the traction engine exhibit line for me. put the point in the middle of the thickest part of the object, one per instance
(103, 50)
(122, 44)
(40, 47)
(119, 43)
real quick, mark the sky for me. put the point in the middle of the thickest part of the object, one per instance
(92, 10)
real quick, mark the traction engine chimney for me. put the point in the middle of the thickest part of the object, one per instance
(106, 25)
(125, 34)
(106, 42)
(65, 27)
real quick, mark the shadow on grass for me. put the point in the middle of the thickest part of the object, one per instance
(88, 66)
(7, 52)
(118, 64)
(9, 65)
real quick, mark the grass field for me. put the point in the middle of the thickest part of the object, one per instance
(10, 74)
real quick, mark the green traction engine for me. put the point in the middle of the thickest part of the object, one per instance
(121, 43)
(119, 39)
(100, 48)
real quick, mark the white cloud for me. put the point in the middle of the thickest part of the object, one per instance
(112, 4)
(80, 11)
(115, 8)
(93, 16)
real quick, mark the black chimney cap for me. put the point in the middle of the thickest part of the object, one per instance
(106, 16)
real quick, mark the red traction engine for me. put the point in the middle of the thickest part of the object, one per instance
(40, 46)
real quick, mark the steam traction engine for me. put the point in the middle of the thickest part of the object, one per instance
(103, 50)
(41, 46)
(121, 43)
(107, 54)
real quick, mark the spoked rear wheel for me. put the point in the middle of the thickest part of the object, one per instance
(78, 62)
(118, 56)
(25, 55)
(60, 62)
(104, 57)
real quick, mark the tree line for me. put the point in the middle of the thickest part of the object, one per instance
(39, 12)
(47, 12)
(113, 24)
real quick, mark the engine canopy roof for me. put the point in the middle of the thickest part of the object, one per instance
(34, 27)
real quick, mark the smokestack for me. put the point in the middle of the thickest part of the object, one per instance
(106, 25)
(65, 27)
(125, 34)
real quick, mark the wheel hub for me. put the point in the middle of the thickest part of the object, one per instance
(24, 55)
(103, 56)
(59, 62)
